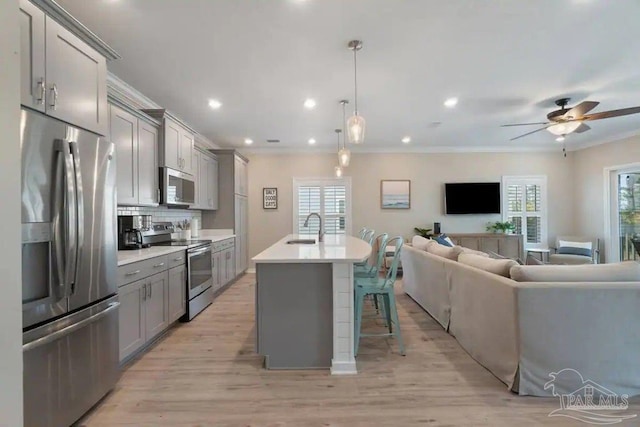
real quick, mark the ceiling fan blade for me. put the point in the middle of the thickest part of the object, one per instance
(524, 124)
(611, 113)
(528, 133)
(582, 128)
(580, 110)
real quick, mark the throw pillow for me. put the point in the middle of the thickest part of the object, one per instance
(420, 242)
(575, 248)
(448, 239)
(442, 239)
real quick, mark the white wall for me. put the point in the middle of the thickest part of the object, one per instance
(589, 181)
(427, 173)
(10, 252)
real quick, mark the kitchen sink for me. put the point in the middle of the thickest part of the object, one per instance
(301, 242)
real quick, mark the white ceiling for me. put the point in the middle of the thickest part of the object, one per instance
(505, 60)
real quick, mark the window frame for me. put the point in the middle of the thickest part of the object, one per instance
(524, 180)
(322, 183)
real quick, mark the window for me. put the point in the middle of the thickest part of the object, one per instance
(331, 198)
(524, 203)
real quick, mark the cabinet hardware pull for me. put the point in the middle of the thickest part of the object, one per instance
(54, 100)
(41, 91)
(132, 273)
(144, 289)
(158, 265)
(150, 290)
(158, 195)
(178, 259)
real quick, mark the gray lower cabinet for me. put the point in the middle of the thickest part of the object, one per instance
(215, 264)
(223, 261)
(177, 292)
(152, 297)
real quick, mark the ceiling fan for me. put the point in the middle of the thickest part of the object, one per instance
(568, 120)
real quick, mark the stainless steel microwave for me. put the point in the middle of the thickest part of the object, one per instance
(178, 188)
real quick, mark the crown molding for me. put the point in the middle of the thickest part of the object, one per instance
(616, 138)
(406, 150)
(58, 13)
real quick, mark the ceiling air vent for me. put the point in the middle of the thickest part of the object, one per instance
(273, 141)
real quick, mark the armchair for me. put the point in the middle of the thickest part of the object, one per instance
(586, 251)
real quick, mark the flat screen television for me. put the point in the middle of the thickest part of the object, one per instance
(472, 198)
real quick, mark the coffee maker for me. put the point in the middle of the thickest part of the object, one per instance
(130, 231)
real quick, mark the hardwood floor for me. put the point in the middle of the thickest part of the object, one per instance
(205, 373)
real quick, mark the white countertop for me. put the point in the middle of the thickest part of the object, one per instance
(215, 235)
(335, 248)
(127, 257)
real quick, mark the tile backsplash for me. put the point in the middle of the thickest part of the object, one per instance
(162, 214)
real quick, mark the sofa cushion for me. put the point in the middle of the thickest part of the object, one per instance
(627, 271)
(531, 260)
(473, 251)
(444, 251)
(575, 248)
(496, 255)
(500, 267)
(420, 242)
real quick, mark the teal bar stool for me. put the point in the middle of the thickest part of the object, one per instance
(367, 270)
(383, 287)
(362, 232)
(368, 237)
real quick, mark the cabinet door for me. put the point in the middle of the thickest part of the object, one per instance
(171, 149)
(237, 185)
(230, 264)
(213, 184)
(76, 80)
(203, 178)
(132, 318)
(177, 292)
(197, 164)
(187, 144)
(148, 174)
(156, 307)
(123, 131)
(32, 77)
(215, 270)
(241, 234)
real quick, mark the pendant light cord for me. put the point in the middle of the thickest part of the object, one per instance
(344, 122)
(355, 77)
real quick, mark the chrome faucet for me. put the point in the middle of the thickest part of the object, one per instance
(320, 231)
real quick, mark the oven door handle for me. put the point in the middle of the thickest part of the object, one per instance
(198, 252)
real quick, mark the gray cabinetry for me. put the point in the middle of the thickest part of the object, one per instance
(61, 74)
(177, 292)
(132, 317)
(215, 265)
(32, 70)
(177, 142)
(152, 295)
(136, 144)
(223, 262)
(206, 176)
(232, 209)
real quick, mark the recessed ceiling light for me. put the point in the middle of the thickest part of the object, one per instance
(451, 102)
(560, 138)
(215, 104)
(310, 103)
(406, 139)
(312, 141)
(248, 141)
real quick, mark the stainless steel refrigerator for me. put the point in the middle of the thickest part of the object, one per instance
(69, 262)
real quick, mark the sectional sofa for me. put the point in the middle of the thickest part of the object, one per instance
(524, 323)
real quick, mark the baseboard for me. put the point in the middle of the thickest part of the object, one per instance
(343, 368)
(251, 270)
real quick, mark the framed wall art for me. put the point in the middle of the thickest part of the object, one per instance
(270, 198)
(395, 194)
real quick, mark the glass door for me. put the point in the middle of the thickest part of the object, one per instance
(629, 215)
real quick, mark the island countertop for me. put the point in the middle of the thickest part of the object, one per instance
(335, 248)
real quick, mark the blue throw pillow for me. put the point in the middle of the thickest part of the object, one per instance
(442, 240)
(569, 250)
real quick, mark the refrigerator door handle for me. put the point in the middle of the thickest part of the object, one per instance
(80, 213)
(69, 329)
(66, 219)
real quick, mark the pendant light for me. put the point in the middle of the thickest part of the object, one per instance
(338, 169)
(344, 154)
(356, 123)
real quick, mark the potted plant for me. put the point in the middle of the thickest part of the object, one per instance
(501, 227)
(424, 232)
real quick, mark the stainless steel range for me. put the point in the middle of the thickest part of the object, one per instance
(199, 267)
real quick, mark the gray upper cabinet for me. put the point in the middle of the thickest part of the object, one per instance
(213, 183)
(136, 144)
(206, 176)
(197, 164)
(148, 185)
(32, 83)
(76, 80)
(177, 142)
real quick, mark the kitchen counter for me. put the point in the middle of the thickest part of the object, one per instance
(128, 257)
(304, 303)
(215, 235)
(335, 248)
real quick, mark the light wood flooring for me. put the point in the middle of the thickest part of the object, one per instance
(205, 373)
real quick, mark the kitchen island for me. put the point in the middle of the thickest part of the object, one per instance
(304, 302)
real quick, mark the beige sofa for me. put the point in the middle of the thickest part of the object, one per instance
(553, 318)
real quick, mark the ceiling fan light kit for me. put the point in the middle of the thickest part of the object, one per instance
(564, 128)
(356, 124)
